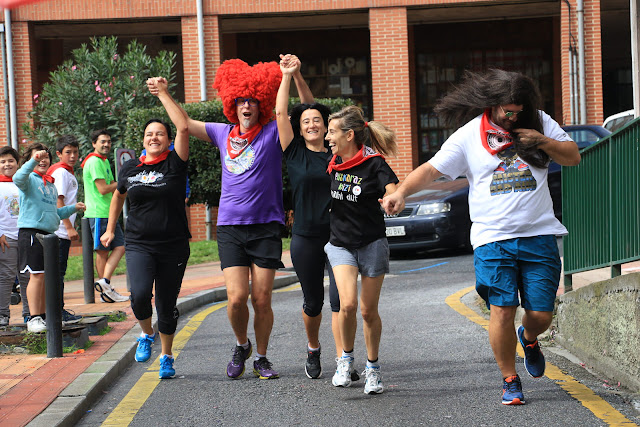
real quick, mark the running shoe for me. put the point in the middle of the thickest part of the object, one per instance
(143, 352)
(312, 368)
(166, 367)
(512, 391)
(36, 324)
(373, 380)
(533, 357)
(342, 377)
(263, 370)
(235, 368)
(69, 318)
(108, 293)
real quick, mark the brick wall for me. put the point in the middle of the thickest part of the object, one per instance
(197, 221)
(593, 59)
(190, 55)
(391, 80)
(24, 68)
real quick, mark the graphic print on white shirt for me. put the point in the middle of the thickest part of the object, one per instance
(512, 175)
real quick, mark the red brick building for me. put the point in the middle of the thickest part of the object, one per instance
(393, 57)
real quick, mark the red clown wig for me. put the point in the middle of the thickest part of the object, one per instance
(236, 79)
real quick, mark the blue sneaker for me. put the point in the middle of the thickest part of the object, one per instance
(512, 391)
(533, 357)
(143, 352)
(166, 367)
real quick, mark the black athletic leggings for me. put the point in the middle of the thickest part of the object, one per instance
(164, 265)
(309, 260)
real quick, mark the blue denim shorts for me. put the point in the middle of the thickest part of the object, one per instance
(372, 260)
(528, 266)
(98, 231)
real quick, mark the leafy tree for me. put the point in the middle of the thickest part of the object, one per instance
(96, 89)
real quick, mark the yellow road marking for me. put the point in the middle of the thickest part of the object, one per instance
(123, 414)
(583, 394)
(127, 409)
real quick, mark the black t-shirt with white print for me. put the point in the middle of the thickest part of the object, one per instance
(356, 217)
(156, 195)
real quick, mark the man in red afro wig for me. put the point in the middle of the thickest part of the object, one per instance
(250, 213)
(236, 79)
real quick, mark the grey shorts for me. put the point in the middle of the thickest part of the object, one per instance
(372, 260)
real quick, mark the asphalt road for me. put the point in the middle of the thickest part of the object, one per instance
(437, 366)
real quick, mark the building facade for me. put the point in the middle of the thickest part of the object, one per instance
(395, 58)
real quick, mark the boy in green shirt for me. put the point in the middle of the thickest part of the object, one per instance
(99, 186)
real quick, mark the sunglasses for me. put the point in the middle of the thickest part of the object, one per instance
(241, 101)
(509, 114)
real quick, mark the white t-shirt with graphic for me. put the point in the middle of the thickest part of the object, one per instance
(67, 186)
(507, 197)
(9, 209)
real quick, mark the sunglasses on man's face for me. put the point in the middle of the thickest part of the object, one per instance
(509, 114)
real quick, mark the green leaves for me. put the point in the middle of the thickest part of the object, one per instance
(96, 89)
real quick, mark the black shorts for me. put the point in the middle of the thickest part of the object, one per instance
(30, 251)
(243, 245)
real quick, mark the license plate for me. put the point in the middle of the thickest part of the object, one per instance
(396, 231)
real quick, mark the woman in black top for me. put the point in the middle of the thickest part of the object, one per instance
(359, 179)
(306, 154)
(157, 234)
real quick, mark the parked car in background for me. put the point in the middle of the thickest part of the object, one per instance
(615, 122)
(438, 216)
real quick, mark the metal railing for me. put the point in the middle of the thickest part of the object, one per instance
(600, 205)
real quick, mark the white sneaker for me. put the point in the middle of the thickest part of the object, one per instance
(373, 381)
(342, 377)
(36, 324)
(107, 293)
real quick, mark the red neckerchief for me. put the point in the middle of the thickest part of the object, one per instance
(4, 178)
(90, 156)
(161, 157)
(361, 156)
(54, 167)
(237, 143)
(494, 140)
(45, 178)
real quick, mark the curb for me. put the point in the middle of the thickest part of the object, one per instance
(76, 399)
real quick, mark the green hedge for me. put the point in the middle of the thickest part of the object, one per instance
(205, 168)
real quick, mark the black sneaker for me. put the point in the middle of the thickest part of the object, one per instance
(312, 368)
(69, 318)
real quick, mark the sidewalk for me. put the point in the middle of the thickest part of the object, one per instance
(61, 390)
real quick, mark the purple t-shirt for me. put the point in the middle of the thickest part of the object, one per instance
(252, 182)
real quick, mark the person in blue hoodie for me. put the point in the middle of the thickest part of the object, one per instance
(38, 214)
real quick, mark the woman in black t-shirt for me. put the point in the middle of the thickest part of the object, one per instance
(358, 244)
(306, 154)
(157, 234)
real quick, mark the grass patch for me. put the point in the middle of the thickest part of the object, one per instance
(116, 316)
(37, 344)
(201, 252)
(105, 331)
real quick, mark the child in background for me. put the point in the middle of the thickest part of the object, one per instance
(38, 214)
(9, 207)
(67, 150)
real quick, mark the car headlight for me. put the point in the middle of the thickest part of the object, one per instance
(433, 208)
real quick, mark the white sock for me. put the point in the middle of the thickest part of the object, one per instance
(312, 349)
(143, 335)
(245, 345)
(345, 354)
(373, 364)
(260, 356)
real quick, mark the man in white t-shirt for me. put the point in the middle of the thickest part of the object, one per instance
(67, 150)
(504, 148)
